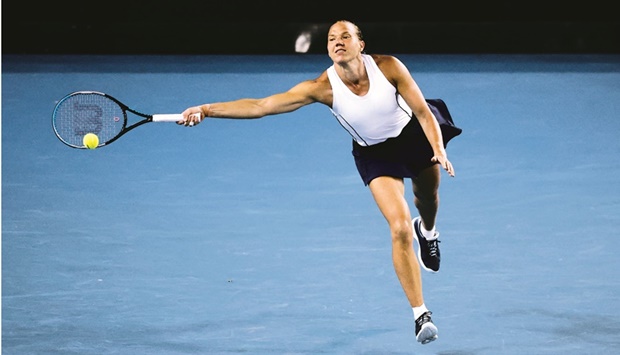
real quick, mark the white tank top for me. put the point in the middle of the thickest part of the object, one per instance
(374, 117)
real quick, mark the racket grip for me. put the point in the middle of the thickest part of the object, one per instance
(175, 117)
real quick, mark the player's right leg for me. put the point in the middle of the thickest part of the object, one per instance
(389, 192)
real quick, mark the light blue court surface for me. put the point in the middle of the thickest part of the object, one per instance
(258, 237)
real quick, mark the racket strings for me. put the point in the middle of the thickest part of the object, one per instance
(85, 113)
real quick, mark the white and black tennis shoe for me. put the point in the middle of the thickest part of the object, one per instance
(425, 330)
(428, 250)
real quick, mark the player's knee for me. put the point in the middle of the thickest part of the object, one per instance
(402, 233)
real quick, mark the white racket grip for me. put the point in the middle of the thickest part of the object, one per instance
(174, 117)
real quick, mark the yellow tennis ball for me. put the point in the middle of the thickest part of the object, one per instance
(91, 141)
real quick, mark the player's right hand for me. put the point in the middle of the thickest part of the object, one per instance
(191, 117)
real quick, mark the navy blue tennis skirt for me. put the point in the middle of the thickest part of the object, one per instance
(408, 154)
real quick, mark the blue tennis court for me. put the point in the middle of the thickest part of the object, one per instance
(258, 237)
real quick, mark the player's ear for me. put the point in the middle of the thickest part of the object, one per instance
(362, 46)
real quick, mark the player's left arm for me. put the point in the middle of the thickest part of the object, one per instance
(401, 78)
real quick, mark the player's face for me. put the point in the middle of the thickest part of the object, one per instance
(343, 43)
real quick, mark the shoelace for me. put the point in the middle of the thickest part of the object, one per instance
(423, 318)
(433, 247)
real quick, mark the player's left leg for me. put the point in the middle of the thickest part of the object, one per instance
(426, 199)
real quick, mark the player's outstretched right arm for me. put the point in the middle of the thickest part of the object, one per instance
(302, 94)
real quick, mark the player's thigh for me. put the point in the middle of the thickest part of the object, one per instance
(389, 194)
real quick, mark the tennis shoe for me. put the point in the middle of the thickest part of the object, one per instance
(428, 250)
(425, 330)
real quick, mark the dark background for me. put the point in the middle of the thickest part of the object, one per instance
(271, 27)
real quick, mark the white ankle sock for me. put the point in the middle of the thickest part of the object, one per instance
(429, 235)
(418, 311)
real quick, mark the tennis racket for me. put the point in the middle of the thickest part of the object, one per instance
(84, 112)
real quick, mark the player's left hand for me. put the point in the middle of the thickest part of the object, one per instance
(445, 163)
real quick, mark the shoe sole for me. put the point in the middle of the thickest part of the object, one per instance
(427, 334)
(415, 236)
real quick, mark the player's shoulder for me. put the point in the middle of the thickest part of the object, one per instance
(320, 88)
(316, 88)
(385, 59)
(389, 65)
(319, 82)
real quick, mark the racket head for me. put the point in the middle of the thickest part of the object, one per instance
(84, 112)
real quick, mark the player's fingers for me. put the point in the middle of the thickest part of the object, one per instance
(196, 117)
(449, 168)
(190, 119)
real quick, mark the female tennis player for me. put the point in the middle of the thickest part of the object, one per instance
(395, 136)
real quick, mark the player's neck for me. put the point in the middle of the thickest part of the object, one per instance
(354, 76)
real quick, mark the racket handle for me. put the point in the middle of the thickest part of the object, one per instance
(174, 117)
